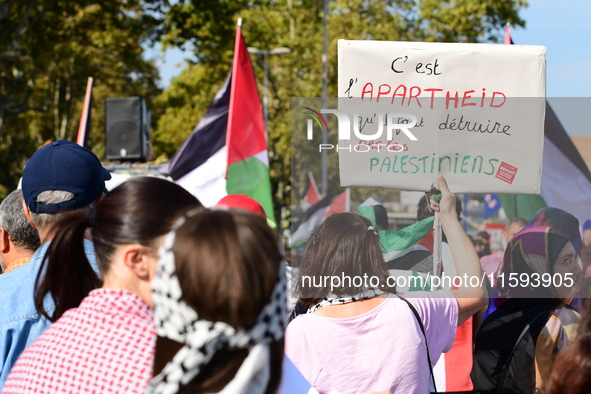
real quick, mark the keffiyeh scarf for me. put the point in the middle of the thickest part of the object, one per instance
(332, 299)
(177, 321)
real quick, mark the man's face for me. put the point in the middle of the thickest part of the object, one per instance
(510, 231)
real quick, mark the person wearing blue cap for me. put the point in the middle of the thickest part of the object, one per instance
(60, 177)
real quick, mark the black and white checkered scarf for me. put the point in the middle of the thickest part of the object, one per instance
(177, 321)
(332, 299)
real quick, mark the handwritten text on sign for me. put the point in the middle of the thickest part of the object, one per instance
(479, 112)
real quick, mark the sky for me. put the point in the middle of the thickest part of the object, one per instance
(562, 26)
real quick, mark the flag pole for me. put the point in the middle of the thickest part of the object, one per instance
(437, 239)
(324, 154)
(84, 125)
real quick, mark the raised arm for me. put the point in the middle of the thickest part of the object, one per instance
(470, 299)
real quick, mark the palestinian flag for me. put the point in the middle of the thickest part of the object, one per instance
(508, 39)
(312, 195)
(200, 163)
(409, 249)
(227, 151)
(566, 181)
(315, 215)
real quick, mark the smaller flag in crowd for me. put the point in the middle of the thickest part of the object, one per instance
(312, 195)
(315, 215)
(85, 118)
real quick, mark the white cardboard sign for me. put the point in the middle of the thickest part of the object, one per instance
(479, 112)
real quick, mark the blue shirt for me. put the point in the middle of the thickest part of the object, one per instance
(20, 324)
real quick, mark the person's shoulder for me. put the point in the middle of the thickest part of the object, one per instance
(432, 302)
(18, 286)
(428, 296)
(302, 324)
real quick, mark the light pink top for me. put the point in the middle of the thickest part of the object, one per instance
(490, 264)
(380, 350)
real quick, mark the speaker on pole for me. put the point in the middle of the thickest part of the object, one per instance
(127, 129)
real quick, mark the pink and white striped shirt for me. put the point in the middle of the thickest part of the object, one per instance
(106, 345)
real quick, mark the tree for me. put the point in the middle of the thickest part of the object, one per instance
(48, 49)
(210, 27)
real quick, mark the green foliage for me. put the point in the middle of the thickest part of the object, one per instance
(48, 49)
(183, 104)
(297, 24)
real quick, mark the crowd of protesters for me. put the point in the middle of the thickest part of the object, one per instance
(143, 290)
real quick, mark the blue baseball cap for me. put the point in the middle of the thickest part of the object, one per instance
(63, 165)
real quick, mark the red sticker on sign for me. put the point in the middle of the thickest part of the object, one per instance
(506, 172)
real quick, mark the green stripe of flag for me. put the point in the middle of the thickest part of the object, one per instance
(251, 177)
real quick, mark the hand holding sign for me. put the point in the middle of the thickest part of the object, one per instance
(445, 202)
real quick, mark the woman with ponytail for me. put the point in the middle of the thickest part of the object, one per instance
(103, 336)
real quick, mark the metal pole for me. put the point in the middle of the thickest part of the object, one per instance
(266, 95)
(324, 157)
(465, 212)
(266, 53)
(515, 199)
(437, 239)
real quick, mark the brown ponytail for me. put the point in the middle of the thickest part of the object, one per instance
(136, 212)
(66, 274)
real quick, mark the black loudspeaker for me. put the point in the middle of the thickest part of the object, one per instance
(127, 129)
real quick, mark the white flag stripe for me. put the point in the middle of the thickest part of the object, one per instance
(207, 182)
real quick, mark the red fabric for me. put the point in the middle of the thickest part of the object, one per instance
(508, 39)
(246, 128)
(428, 241)
(340, 204)
(104, 346)
(242, 201)
(458, 361)
(312, 195)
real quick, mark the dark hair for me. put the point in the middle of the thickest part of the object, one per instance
(343, 246)
(381, 215)
(571, 371)
(484, 235)
(560, 220)
(227, 263)
(137, 211)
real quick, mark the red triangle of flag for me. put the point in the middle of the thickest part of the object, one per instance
(246, 129)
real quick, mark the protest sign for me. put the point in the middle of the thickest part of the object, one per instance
(472, 112)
